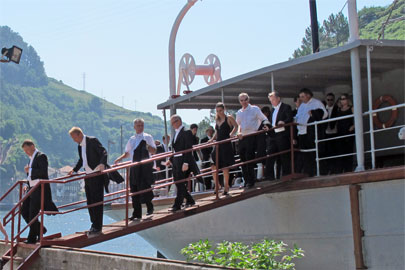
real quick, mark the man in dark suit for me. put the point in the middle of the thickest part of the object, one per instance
(37, 169)
(182, 163)
(93, 158)
(280, 114)
(206, 156)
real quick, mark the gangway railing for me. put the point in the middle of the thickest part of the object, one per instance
(371, 132)
(15, 212)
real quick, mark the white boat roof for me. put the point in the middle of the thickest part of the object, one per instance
(316, 72)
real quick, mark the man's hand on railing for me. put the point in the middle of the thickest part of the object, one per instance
(26, 168)
(184, 168)
(240, 136)
(25, 189)
(100, 167)
(71, 172)
(168, 163)
(117, 161)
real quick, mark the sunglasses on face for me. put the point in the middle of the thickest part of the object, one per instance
(243, 100)
(329, 99)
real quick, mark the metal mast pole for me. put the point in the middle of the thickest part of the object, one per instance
(172, 41)
(356, 84)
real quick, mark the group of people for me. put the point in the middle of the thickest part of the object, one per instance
(249, 119)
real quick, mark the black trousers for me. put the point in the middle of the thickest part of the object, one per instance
(182, 192)
(30, 208)
(306, 160)
(94, 188)
(278, 144)
(208, 178)
(137, 204)
(247, 152)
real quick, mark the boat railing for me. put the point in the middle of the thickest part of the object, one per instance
(371, 132)
(15, 212)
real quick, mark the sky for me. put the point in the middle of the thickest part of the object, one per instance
(122, 46)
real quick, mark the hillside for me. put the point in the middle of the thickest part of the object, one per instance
(334, 31)
(43, 109)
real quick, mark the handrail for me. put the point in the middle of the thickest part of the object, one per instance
(371, 131)
(16, 210)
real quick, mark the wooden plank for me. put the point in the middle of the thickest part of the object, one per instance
(118, 229)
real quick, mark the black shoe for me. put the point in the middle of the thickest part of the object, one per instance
(225, 193)
(94, 231)
(134, 217)
(189, 204)
(30, 241)
(150, 212)
(250, 186)
(174, 209)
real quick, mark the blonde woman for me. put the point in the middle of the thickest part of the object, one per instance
(225, 128)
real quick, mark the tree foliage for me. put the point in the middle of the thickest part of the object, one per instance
(334, 31)
(268, 254)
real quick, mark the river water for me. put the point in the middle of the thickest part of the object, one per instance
(78, 221)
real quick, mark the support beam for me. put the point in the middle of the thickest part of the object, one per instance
(358, 233)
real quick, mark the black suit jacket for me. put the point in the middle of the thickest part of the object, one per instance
(39, 167)
(183, 141)
(95, 152)
(206, 152)
(284, 114)
(159, 163)
(39, 170)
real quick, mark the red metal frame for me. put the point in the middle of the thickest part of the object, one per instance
(10, 216)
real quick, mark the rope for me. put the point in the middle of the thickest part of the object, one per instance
(386, 22)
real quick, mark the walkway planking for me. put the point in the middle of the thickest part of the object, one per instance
(117, 229)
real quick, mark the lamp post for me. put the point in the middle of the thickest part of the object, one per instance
(12, 54)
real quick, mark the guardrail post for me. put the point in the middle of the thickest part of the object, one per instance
(19, 209)
(370, 106)
(317, 150)
(41, 230)
(126, 196)
(216, 171)
(12, 242)
(292, 149)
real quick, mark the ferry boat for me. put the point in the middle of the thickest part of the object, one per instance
(346, 221)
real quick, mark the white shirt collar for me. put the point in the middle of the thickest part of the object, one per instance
(278, 106)
(33, 155)
(247, 108)
(178, 129)
(83, 142)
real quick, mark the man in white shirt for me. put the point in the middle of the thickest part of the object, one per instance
(249, 118)
(36, 170)
(310, 110)
(139, 147)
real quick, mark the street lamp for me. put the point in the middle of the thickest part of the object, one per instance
(12, 54)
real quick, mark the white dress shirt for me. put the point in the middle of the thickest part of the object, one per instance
(303, 116)
(86, 167)
(177, 133)
(249, 119)
(30, 165)
(135, 140)
(275, 113)
(329, 130)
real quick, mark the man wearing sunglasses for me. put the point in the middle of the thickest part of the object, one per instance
(249, 118)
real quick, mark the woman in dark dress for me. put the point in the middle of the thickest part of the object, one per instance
(345, 127)
(225, 128)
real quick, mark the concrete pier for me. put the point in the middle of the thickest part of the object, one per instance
(62, 258)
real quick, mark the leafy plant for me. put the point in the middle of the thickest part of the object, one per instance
(267, 254)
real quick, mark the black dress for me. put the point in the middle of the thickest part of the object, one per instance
(226, 156)
(346, 145)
